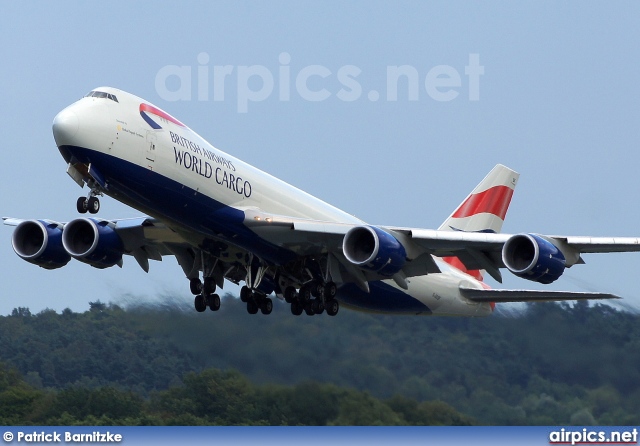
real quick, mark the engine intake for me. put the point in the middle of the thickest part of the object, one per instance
(40, 242)
(533, 258)
(93, 241)
(374, 249)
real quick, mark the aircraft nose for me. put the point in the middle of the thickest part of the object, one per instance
(65, 127)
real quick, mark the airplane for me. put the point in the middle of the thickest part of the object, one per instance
(223, 219)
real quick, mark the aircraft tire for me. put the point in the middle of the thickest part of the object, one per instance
(317, 306)
(296, 308)
(252, 307)
(214, 302)
(195, 286)
(81, 205)
(330, 291)
(245, 294)
(332, 307)
(266, 306)
(305, 294)
(200, 303)
(308, 308)
(93, 205)
(289, 294)
(209, 286)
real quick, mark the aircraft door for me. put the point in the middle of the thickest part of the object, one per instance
(150, 153)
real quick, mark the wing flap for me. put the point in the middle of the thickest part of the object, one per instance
(483, 295)
(602, 244)
(148, 235)
(302, 236)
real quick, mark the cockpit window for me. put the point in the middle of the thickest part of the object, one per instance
(101, 94)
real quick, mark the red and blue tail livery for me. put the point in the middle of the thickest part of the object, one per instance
(227, 221)
(485, 209)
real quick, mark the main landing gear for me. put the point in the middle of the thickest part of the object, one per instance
(253, 294)
(314, 297)
(255, 301)
(204, 294)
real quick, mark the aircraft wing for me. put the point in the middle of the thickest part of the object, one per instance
(144, 238)
(484, 250)
(450, 242)
(150, 239)
(476, 250)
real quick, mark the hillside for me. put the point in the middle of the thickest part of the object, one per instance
(554, 364)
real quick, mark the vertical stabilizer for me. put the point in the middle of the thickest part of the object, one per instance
(483, 210)
(486, 206)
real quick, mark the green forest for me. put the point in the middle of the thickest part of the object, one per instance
(164, 364)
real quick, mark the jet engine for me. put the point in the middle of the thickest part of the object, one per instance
(93, 241)
(372, 248)
(533, 258)
(40, 242)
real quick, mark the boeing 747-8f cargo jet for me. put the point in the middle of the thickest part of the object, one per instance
(224, 219)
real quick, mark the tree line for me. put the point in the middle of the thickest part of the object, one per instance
(212, 397)
(550, 364)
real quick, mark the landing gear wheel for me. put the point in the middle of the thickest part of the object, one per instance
(330, 291)
(200, 303)
(296, 308)
(318, 306)
(332, 307)
(209, 286)
(214, 302)
(305, 293)
(319, 290)
(93, 205)
(81, 205)
(245, 294)
(196, 286)
(266, 306)
(252, 307)
(289, 294)
(308, 308)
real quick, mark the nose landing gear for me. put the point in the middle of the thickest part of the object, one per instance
(89, 203)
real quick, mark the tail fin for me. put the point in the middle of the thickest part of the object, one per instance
(485, 208)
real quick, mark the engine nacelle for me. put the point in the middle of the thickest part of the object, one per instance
(93, 241)
(374, 249)
(40, 242)
(533, 258)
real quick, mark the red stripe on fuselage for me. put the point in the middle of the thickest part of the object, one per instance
(457, 264)
(493, 201)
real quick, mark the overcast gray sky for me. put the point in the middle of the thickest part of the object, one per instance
(558, 102)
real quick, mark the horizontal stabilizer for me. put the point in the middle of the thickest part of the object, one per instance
(481, 295)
